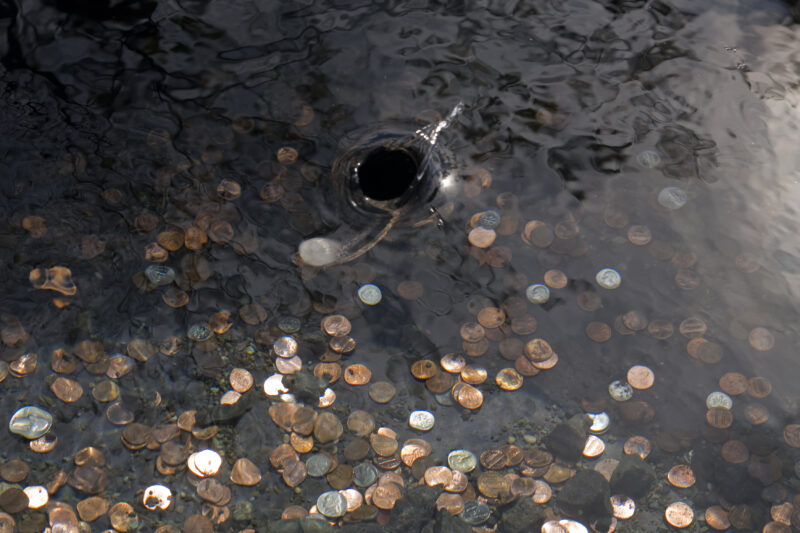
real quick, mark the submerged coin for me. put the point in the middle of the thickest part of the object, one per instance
(641, 377)
(369, 294)
(421, 420)
(30, 422)
(672, 198)
(462, 460)
(160, 274)
(679, 514)
(719, 399)
(608, 278)
(619, 391)
(332, 504)
(537, 293)
(475, 512)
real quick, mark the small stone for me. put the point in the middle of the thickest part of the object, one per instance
(586, 496)
(523, 516)
(632, 477)
(566, 442)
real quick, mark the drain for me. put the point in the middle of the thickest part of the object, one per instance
(386, 174)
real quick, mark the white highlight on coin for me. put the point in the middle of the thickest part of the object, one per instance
(422, 420)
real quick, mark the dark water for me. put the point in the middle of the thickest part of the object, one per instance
(120, 120)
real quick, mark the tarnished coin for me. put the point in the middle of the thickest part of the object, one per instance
(462, 460)
(318, 465)
(537, 293)
(475, 512)
(679, 514)
(761, 339)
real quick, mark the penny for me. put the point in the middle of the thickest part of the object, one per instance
(542, 492)
(474, 375)
(687, 280)
(555, 279)
(123, 518)
(622, 507)
(472, 332)
(761, 339)
(414, 449)
(469, 397)
(733, 383)
(336, 325)
(523, 324)
(791, 435)
(719, 417)
(538, 350)
(509, 379)
(759, 387)
(481, 237)
(589, 301)
(681, 476)
(438, 475)
(453, 363)
(640, 377)
(492, 485)
(491, 317)
(639, 235)
(453, 503)
(245, 473)
(717, 518)
(439, 383)
(598, 331)
(614, 218)
(679, 515)
(410, 290)
(692, 327)
(494, 459)
(382, 391)
(384, 446)
(357, 374)
(756, 414)
(538, 233)
(593, 447)
(660, 329)
(475, 349)
(66, 390)
(634, 320)
(740, 517)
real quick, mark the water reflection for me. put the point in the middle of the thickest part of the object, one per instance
(164, 162)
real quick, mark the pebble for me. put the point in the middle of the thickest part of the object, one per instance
(30, 422)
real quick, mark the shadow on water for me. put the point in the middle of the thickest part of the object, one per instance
(656, 138)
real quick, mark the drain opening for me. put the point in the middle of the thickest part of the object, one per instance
(386, 174)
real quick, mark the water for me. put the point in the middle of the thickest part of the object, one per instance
(127, 122)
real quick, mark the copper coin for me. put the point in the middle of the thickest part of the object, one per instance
(410, 290)
(589, 301)
(692, 327)
(693, 346)
(660, 329)
(756, 414)
(14, 471)
(475, 349)
(453, 503)
(598, 331)
(747, 263)
(639, 235)
(719, 417)
(509, 379)
(538, 350)
(761, 339)
(469, 397)
(491, 317)
(782, 513)
(615, 218)
(382, 391)
(791, 435)
(638, 445)
(383, 445)
(525, 367)
(735, 451)
(511, 348)
(241, 380)
(640, 377)
(567, 229)
(555, 279)
(438, 475)
(493, 485)
(453, 363)
(336, 325)
(440, 383)
(424, 369)
(414, 449)
(66, 390)
(494, 459)
(538, 233)
(681, 476)
(357, 374)
(687, 280)
(684, 259)
(287, 155)
(481, 237)
(759, 387)
(340, 477)
(123, 518)
(360, 423)
(621, 328)
(679, 515)
(245, 473)
(741, 517)
(474, 375)
(472, 332)
(733, 383)
(634, 320)
(523, 324)
(547, 364)
(717, 518)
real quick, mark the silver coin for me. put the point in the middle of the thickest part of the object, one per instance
(422, 420)
(489, 219)
(537, 293)
(462, 460)
(370, 294)
(672, 198)
(608, 278)
(332, 504)
(160, 274)
(719, 399)
(600, 422)
(318, 465)
(30, 422)
(365, 474)
(619, 391)
(648, 159)
(289, 324)
(199, 332)
(475, 513)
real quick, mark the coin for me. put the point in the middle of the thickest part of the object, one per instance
(555, 279)
(761, 339)
(332, 504)
(369, 294)
(336, 325)
(717, 518)
(622, 506)
(523, 325)
(538, 350)
(410, 290)
(462, 460)
(30, 422)
(471, 332)
(733, 383)
(687, 280)
(719, 417)
(469, 397)
(639, 235)
(382, 391)
(421, 420)
(481, 237)
(537, 293)
(734, 451)
(681, 476)
(679, 514)
(756, 414)
(672, 198)
(791, 435)
(491, 317)
(608, 278)
(598, 331)
(640, 377)
(619, 391)
(475, 512)
(719, 399)
(509, 379)
(637, 445)
(424, 369)
(759, 387)
(357, 374)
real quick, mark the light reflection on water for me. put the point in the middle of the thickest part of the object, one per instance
(119, 125)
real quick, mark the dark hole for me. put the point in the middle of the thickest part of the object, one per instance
(386, 174)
